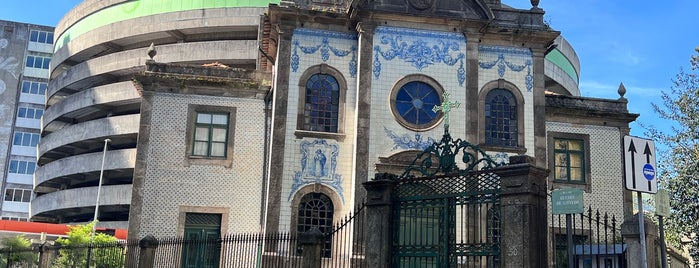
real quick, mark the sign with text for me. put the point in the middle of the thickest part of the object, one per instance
(567, 201)
(639, 165)
(662, 203)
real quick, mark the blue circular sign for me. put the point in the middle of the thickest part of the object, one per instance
(648, 172)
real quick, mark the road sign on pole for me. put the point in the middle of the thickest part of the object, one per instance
(639, 165)
(662, 203)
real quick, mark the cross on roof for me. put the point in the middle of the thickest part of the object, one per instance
(445, 108)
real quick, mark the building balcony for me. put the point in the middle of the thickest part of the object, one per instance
(84, 169)
(88, 137)
(77, 205)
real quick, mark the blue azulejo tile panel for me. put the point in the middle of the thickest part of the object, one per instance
(500, 158)
(420, 48)
(318, 165)
(507, 59)
(407, 141)
(323, 45)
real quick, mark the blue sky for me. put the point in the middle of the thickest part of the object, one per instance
(641, 43)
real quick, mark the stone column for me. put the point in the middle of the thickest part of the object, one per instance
(377, 229)
(632, 239)
(523, 211)
(146, 257)
(363, 108)
(312, 243)
(279, 128)
(538, 58)
(472, 89)
(141, 165)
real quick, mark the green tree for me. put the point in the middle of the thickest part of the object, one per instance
(17, 251)
(678, 168)
(105, 251)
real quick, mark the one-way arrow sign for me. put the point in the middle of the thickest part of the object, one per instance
(639, 165)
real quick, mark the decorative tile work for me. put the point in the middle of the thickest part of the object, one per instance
(406, 142)
(323, 41)
(420, 48)
(318, 165)
(500, 158)
(505, 58)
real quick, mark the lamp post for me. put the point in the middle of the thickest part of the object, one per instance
(99, 189)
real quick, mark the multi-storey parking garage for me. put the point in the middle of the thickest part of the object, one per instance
(100, 44)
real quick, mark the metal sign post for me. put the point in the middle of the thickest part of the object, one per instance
(639, 176)
(662, 209)
(642, 231)
(568, 201)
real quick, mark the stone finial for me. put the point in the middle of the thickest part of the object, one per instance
(621, 91)
(151, 51)
(535, 3)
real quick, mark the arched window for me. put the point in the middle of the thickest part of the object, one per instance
(316, 210)
(501, 118)
(321, 110)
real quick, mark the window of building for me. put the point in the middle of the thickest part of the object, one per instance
(316, 210)
(41, 37)
(36, 88)
(18, 195)
(501, 118)
(22, 167)
(38, 62)
(412, 100)
(321, 110)
(210, 135)
(25, 139)
(14, 218)
(320, 113)
(569, 160)
(31, 113)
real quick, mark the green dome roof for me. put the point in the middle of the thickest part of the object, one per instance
(142, 8)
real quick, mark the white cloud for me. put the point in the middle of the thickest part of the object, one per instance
(627, 58)
(608, 90)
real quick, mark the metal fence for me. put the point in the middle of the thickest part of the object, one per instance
(105, 255)
(447, 221)
(233, 250)
(596, 240)
(348, 241)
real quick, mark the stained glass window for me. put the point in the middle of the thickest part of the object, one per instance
(321, 110)
(501, 118)
(414, 102)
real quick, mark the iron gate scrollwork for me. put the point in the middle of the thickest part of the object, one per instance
(447, 213)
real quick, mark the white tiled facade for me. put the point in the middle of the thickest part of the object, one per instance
(606, 193)
(170, 184)
(293, 151)
(405, 63)
(514, 65)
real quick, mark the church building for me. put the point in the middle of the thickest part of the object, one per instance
(269, 116)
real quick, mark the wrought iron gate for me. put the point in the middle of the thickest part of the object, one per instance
(447, 214)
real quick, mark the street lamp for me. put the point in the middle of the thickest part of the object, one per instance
(99, 189)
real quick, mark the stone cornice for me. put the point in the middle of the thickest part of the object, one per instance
(202, 80)
(606, 112)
